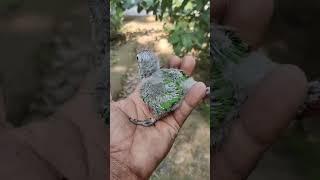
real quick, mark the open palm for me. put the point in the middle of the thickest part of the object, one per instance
(140, 149)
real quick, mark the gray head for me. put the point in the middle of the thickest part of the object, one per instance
(148, 63)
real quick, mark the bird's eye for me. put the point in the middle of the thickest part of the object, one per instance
(137, 58)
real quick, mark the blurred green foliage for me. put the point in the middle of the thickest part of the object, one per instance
(186, 21)
(116, 13)
(190, 19)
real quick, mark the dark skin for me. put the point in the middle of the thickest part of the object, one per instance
(136, 151)
(271, 105)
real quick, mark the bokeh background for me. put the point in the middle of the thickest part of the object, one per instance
(293, 38)
(45, 52)
(167, 27)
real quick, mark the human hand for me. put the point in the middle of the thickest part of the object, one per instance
(268, 111)
(135, 151)
(270, 106)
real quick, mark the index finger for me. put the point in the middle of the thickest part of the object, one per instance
(187, 63)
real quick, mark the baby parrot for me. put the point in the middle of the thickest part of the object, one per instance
(162, 89)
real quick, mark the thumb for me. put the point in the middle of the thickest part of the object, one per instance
(192, 99)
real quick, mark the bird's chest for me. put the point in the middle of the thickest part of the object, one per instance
(163, 91)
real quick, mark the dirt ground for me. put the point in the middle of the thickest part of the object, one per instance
(190, 156)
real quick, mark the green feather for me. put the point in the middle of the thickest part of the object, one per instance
(166, 106)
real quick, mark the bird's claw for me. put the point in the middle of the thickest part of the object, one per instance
(145, 123)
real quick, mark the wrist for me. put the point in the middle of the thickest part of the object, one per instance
(118, 171)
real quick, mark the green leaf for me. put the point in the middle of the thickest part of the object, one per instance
(173, 39)
(184, 3)
(164, 6)
(187, 41)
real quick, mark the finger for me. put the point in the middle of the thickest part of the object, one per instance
(175, 62)
(192, 99)
(188, 64)
(263, 117)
